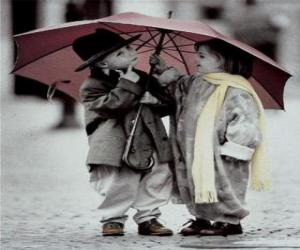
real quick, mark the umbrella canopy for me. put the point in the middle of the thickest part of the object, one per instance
(46, 54)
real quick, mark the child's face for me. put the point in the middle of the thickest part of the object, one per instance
(207, 61)
(121, 58)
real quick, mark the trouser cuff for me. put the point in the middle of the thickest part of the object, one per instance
(120, 219)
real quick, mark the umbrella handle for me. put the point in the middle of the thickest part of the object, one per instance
(128, 146)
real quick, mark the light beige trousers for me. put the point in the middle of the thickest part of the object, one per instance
(122, 188)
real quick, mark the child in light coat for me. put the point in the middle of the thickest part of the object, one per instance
(217, 134)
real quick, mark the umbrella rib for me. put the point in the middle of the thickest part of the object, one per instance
(147, 46)
(175, 34)
(145, 51)
(144, 42)
(170, 49)
(182, 45)
(177, 59)
(151, 35)
(179, 33)
(126, 33)
(179, 52)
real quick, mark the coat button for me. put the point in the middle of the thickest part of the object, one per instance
(132, 150)
(165, 138)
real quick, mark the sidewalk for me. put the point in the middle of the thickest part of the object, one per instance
(47, 202)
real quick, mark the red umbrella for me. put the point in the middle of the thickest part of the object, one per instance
(46, 54)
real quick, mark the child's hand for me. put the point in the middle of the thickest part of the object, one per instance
(148, 98)
(158, 63)
(167, 77)
(129, 75)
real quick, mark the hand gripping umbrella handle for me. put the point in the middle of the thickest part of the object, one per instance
(128, 147)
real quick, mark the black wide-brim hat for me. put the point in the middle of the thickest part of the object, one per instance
(96, 46)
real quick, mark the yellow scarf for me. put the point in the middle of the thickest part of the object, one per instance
(203, 171)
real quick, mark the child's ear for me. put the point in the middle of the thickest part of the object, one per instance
(221, 61)
(102, 65)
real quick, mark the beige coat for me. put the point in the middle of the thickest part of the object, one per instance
(236, 135)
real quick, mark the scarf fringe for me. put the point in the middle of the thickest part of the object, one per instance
(259, 185)
(206, 197)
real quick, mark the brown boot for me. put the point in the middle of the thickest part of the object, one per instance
(153, 228)
(224, 229)
(195, 227)
(113, 229)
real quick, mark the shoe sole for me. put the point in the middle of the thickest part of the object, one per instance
(189, 234)
(154, 234)
(200, 234)
(112, 234)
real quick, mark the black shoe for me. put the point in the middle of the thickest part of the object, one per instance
(113, 229)
(224, 229)
(195, 227)
(153, 228)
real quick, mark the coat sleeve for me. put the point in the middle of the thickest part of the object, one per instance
(174, 83)
(242, 134)
(166, 104)
(106, 102)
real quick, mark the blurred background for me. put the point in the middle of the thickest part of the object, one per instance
(271, 26)
(43, 144)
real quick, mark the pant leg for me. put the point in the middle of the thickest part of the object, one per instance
(154, 191)
(117, 188)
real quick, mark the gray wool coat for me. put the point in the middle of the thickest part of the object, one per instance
(236, 135)
(110, 107)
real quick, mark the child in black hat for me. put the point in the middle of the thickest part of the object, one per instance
(111, 96)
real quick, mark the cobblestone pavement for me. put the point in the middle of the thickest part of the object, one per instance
(47, 202)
